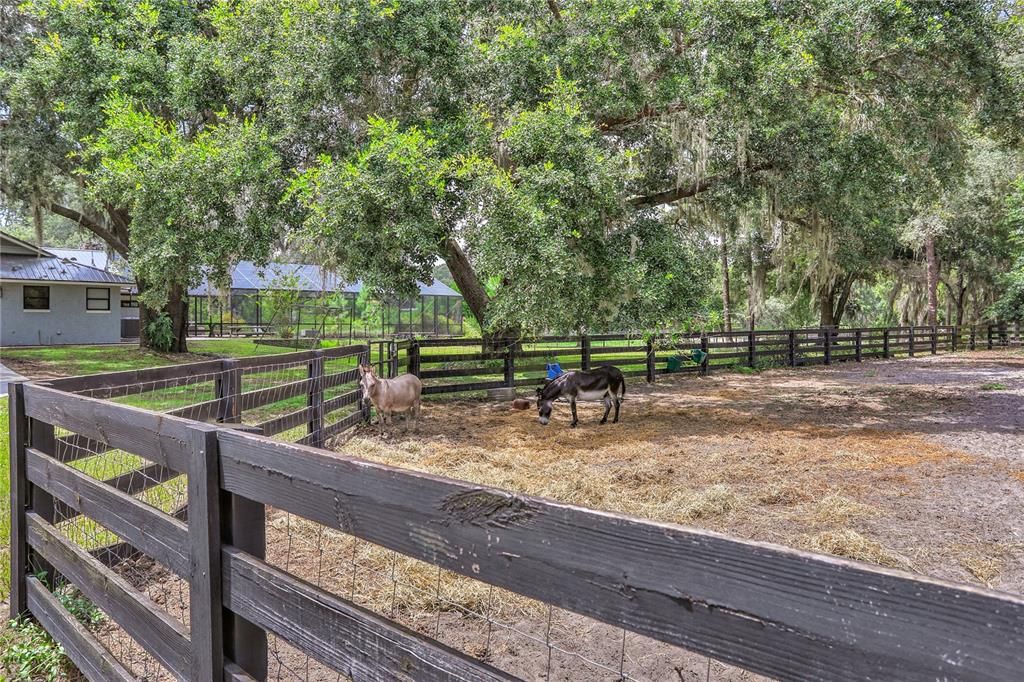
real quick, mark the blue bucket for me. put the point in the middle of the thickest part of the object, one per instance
(554, 370)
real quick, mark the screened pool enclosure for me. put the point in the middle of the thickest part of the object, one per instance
(290, 300)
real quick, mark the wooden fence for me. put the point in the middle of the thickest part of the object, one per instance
(769, 609)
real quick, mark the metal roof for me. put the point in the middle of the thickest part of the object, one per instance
(53, 269)
(247, 276)
(91, 257)
(12, 246)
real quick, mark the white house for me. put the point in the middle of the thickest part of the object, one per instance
(48, 300)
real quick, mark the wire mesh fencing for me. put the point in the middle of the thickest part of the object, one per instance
(524, 637)
(149, 483)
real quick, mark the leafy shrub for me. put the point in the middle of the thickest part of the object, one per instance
(161, 333)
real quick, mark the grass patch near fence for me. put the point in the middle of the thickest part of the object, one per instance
(67, 361)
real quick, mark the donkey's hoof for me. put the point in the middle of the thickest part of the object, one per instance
(603, 421)
(572, 426)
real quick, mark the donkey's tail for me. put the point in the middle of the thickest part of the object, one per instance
(623, 393)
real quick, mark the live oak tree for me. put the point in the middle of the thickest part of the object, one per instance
(573, 163)
(103, 125)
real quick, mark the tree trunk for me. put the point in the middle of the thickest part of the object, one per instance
(933, 280)
(726, 307)
(465, 277)
(826, 307)
(176, 309)
(844, 298)
(961, 290)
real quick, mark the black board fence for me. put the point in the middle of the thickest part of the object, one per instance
(769, 609)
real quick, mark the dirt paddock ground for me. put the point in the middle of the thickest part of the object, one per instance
(916, 464)
(923, 459)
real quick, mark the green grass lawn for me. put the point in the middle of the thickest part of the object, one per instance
(65, 361)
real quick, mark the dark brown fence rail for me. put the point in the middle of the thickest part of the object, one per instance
(769, 609)
(192, 457)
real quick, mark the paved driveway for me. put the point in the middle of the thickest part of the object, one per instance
(7, 376)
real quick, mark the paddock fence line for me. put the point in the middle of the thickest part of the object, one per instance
(768, 609)
(312, 396)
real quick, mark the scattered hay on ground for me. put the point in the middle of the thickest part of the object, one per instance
(852, 545)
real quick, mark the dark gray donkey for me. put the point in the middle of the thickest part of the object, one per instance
(601, 383)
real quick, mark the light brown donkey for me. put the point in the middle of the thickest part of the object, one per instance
(401, 394)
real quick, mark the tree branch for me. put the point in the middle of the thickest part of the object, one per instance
(613, 123)
(79, 218)
(693, 189)
(555, 12)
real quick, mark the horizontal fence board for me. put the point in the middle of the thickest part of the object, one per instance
(342, 424)
(131, 482)
(185, 379)
(357, 643)
(469, 386)
(151, 531)
(85, 651)
(550, 352)
(345, 351)
(204, 411)
(769, 609)
(134, 376)
(459, 372)
(542, 367)
(160, 438)
(285, 422)
(617, 350)
(258, 364)
(343, 400)
(158, 633)
(273, 394)
(460, 357)
(340, 378)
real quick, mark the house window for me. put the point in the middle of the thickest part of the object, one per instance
(36, 298)
(129, 301)
(97, 299)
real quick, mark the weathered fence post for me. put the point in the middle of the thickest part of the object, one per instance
(510, 365)
(315, 398)
(41, 438)
(990, 337)
(857, 345)
(935, 340)
(972, 341)
(751, 348)
(792, 348)
(955, 338)
(414, 357)
(584, 352)
(910, 346)
(827, 344)
(885, 342)
(243, 525)
(392, 359)
(705, 349)
(651, 370)
(206, 613)
(228, 387)
(1004, 340)
(19, 499)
